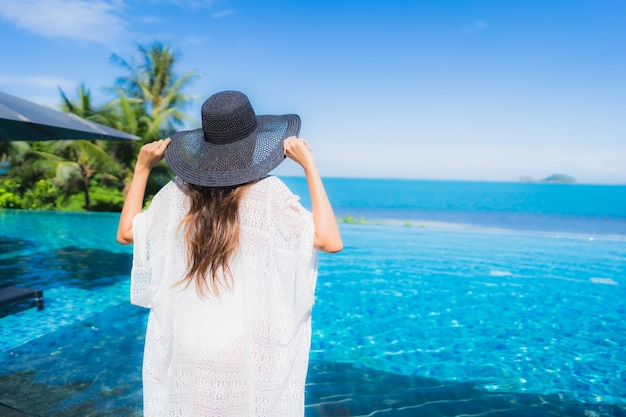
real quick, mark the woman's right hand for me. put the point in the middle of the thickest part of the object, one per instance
(151, 154)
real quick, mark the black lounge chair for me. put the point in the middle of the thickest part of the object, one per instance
(12, 294)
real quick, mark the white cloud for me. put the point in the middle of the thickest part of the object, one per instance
(37, 81)
(224, 13)
(187, 4)
(194, 40)
(149, 19)
(476, 27)
(96, 21)
(40, 89)
(47, 101)
(487, 163)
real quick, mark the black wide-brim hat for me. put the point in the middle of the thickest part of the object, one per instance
(234, 145)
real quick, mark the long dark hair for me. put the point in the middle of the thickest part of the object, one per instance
(211, 230)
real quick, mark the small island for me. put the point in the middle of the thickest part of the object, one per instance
(552, 179)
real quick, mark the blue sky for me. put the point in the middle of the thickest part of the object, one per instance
(426, 89)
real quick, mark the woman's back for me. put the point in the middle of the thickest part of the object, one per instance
(246, 351)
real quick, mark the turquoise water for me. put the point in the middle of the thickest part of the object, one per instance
(521, 206)
(478, 317)
(544, 198)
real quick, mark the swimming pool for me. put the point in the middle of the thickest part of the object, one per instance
(408, 321)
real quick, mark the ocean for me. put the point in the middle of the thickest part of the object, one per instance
(517, 206)
(449, 299)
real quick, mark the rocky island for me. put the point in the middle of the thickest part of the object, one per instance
(552, 179)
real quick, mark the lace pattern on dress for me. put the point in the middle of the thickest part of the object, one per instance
(244, 353)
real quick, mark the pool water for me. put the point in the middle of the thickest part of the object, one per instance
(408, 321)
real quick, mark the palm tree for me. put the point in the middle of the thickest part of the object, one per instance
(127, 114)
(37, 163)
(76, 161)
(82, 106)
(11, 152)
(149, 104)
(70, 164)
(150, 99)
(151, 79)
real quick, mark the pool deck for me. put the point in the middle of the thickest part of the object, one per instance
(11, 412)
(9, 295)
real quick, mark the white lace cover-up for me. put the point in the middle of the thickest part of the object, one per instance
(244, 353)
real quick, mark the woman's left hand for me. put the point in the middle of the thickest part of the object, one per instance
(298, 150)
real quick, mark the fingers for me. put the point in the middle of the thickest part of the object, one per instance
(293, 141)
(162, 144)
(157, 147)
(288, 143)
(152, 153)
(298, 150)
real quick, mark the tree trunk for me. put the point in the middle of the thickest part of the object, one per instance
(86, 187)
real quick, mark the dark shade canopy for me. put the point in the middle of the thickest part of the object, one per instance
(24, 120)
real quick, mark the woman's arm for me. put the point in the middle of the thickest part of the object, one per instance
(327, 236)
(149, 155)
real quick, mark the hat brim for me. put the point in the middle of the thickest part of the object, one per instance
(203, 163)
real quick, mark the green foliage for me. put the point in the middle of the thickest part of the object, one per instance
(13, 150)
(42, 196)
(159, 176)
(9, 194)
(106, 198)
(350, 219)
(82, 106)
(81, 175)
(151, 79)
(74, 202)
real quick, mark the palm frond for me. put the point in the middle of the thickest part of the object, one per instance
(67, 175)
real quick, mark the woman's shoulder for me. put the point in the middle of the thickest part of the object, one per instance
(174, 186)
(271, 184)
(272, 189)
(170, 193)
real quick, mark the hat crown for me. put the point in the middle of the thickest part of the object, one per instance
(234, 145)
(227, 117)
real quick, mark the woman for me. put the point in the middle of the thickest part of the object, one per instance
(225, 259)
